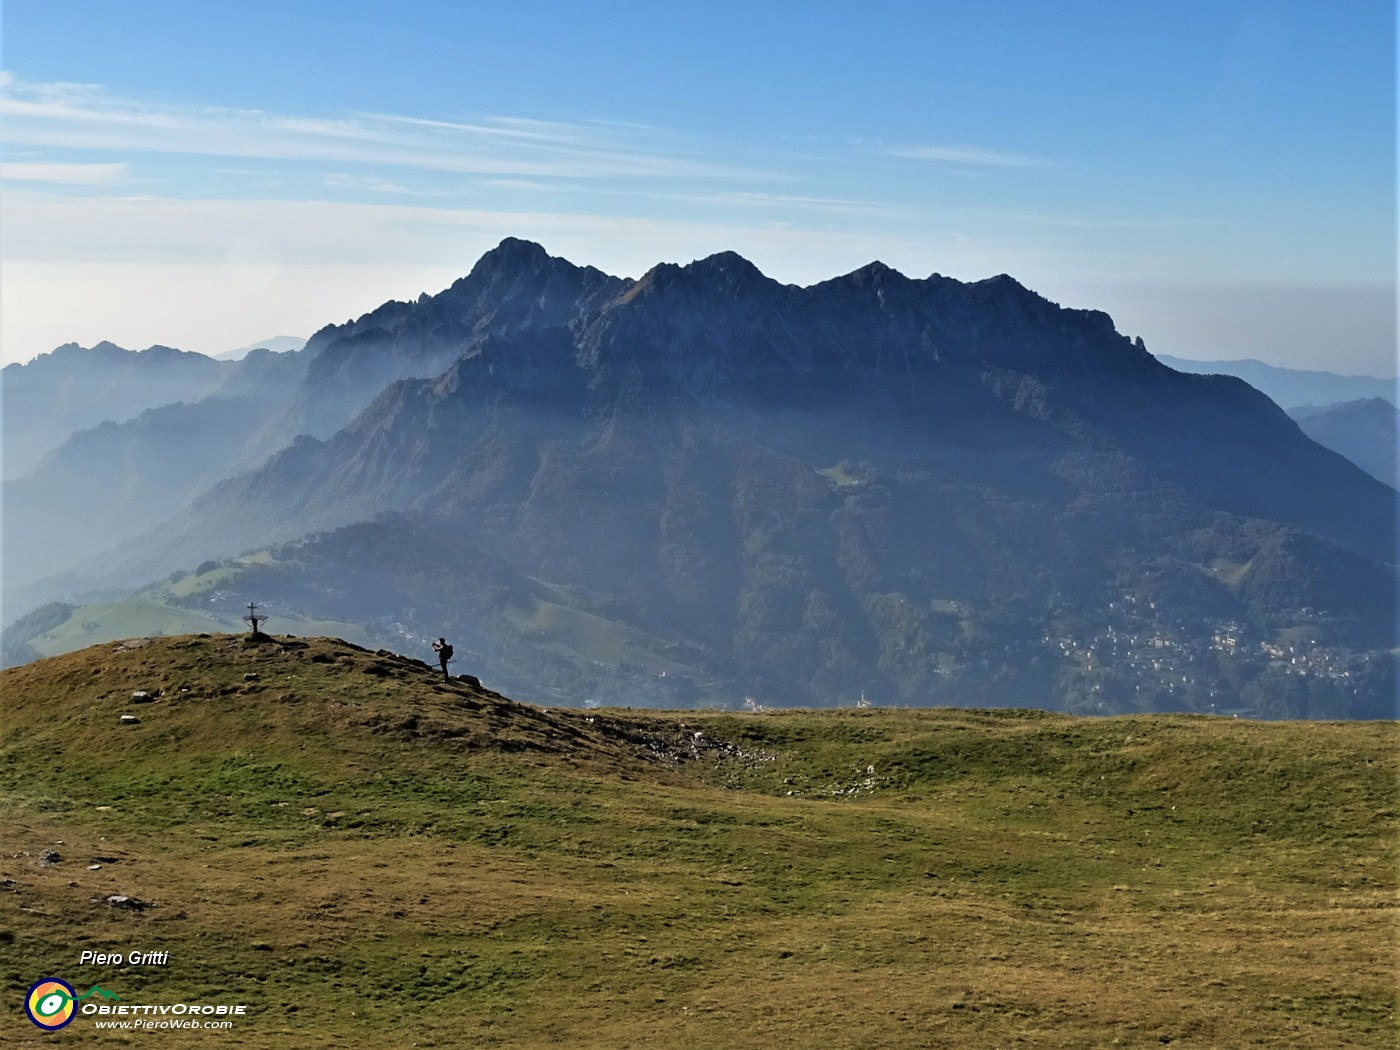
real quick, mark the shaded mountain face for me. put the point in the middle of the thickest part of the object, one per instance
(871, 363)
(1364, 431)
(516, 287)
(704, 485)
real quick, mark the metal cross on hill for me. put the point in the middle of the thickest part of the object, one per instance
(253, 617)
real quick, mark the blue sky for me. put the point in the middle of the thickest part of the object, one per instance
(1220, 177)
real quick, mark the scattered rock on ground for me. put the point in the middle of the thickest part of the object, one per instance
(121, 900)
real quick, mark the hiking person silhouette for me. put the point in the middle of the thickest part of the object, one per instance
(444, 652)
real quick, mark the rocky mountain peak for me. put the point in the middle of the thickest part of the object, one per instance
(727, 269)
(514, 254)
(724, 273)
(875, 272)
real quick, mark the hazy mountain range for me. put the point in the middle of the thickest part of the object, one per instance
(1353, 415)
(703, 486)
(1364, 431)
(1292, 387)
(278, 344)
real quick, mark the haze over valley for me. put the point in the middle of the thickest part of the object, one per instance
(706, 488)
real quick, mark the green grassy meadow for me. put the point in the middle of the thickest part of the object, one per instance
(367, 856)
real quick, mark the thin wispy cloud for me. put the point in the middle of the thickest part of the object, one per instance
(339, 180)
(524, 184)
(967, 156)
(62, 174)
(749, 199)
(76, 116)
(795, 200)
(544, 132)
(726, 199)
(1084, 222)
(68, 104)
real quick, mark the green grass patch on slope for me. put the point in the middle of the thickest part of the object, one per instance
(583, 635)
(95, 624)
(367, 855)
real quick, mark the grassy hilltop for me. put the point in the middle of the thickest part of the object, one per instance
(367, 856)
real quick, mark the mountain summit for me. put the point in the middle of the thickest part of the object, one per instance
(704, 484)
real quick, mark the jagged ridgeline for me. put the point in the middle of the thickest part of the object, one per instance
(704, 487)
